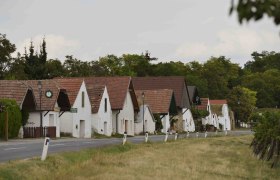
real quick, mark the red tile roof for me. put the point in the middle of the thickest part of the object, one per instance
(218, 101)
(117, 89)
(47, 104)
(204, 104)
(95, 93)
(13, 89)
(158, 100)
(72, 86)
(176, 83)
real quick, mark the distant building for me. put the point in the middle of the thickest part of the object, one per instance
(179, 86)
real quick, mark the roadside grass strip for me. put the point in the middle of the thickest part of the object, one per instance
(190, 158)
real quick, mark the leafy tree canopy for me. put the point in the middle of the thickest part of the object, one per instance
(242, 101)
(6, 49)
(256, 9)
(263, 61)
(219, 73)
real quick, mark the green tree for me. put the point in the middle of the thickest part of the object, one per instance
(242, 101)
(14, 118)
(219, 73)
(263, 61)
(111, 64)
(267, 86)
(194, 76)
(6, 49)
(54, 68)
(256, 9)
(171, 68)
(16, 70)
(266, 140)
(135, 65)
(35, 64)
(76, 68)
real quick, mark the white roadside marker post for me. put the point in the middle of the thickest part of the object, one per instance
(216, 132)
(166, 136)
(226, 132)
(146, 137)
(176, 136)
(124, 138)
(205, 134)
(197, 134)
(188, 134)
(45, 149)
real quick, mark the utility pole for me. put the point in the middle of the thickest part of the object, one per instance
(40, 106)
(6, 126)
(143, 99)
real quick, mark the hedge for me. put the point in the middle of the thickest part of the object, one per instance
(14, 118)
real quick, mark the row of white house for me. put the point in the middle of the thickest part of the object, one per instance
(81, 107)
(218, 116)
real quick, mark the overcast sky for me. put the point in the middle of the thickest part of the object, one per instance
(178, 30)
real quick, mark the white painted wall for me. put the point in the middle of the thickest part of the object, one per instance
(66, 122)
(149, 125)
(165, 123)
(71, 121)
(126, 116)
(101, 119)
(188, 122)
(34, 120)
(224, 120)
(209, 119)
(114, 120)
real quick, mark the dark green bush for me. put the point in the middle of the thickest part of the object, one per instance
(14, 118)
(198, 113)
(159, 125)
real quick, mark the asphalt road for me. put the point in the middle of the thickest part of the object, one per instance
(27, 148)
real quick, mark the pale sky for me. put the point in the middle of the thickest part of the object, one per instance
(177, 30)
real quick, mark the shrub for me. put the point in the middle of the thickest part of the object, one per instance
(198, 113)
(14, 118)
(266, 143)
(159, 125)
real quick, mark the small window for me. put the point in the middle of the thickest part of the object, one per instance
(83, 99)
(105, 105)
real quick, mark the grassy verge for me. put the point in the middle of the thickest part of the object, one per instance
(211, 158)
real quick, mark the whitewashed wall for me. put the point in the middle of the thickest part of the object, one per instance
(125, 115)
(71, 121)
(165, 123)
(84, 113)
(209, 119)
(66, 122)
(101, 118)
(150, 125)
(114, 120)
(188, 122)
(34, 120)
(224, 120)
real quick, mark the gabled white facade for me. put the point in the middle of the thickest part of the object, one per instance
(78, 122)
(188, 122)
(208, 119)
(123, 120)
(149, 125)
(224, 119)
(165, 120)
(101, 122)
(49, 118)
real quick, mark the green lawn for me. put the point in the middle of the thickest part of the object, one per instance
(211, 158)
